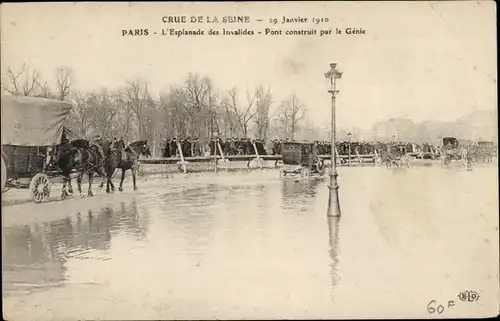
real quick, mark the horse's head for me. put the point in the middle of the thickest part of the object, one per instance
(146, 151)
(106, 145)
(140, 147)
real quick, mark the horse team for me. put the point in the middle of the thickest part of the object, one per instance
(100, 158)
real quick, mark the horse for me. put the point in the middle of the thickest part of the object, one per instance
(448, 153)
(123, 159)
(81, 156)
(464, 154)
(394, 157)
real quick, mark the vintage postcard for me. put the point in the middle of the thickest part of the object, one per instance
(249, 160)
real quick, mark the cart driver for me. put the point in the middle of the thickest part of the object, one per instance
(120, 144)
(98, 143)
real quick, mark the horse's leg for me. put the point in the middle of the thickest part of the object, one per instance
(121, 181)
(134, 170)
(104, 178)
(89, 193)
(64, 194)
(70, 187)
(108, 181)
(79, 183)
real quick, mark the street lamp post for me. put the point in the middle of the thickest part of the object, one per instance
(333, 200)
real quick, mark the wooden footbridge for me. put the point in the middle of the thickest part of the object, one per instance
(223, 160)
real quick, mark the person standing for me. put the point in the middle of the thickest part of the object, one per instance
(173, 147)
(187, 147)
(196, 147)
(166, 150)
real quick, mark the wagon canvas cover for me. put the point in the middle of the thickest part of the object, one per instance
(28, 121)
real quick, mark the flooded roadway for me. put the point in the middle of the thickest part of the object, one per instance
(248, 245)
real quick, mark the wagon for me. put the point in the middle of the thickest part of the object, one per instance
(300, 160)
(30, 126)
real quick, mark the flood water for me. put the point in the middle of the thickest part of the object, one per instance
(249, 245)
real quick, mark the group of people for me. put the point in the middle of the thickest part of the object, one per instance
(194, 147)
(354, 147)
(245, 146)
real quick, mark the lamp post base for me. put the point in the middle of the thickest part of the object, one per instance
(333, 198)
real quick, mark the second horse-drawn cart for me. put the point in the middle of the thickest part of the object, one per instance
(30, 127)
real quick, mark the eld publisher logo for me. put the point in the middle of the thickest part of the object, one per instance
(468, 296)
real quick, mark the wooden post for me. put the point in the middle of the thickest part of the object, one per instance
(182, 158)
(421, 153)
(222, 154)
(337, 153)
(257, 154)
(215, 158)
(359, 157)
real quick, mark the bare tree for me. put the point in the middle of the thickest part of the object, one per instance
(262, 119)
(25, 82)
(65, 79)
(174, 111)
(212, 110)
(192, 108)
(83, 113)
(137, 95)
(290, 114)
(244, 113)
(230, 119)
(45, 91)
(104, 110)
(12, 83)
(198, 91)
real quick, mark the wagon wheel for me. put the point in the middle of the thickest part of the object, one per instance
(305, 172)
(320, 167)
(40, 187)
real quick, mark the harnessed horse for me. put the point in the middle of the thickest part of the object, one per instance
(393, 156)
(123, 159)
(464, 154)
(81, 156)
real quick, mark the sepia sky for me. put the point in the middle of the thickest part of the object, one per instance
(423, 61)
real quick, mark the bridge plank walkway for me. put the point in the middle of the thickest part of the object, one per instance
(203, 159)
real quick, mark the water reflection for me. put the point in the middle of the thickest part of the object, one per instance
(298, 195)
(258, 236)
(333, 237)
(34, 255)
